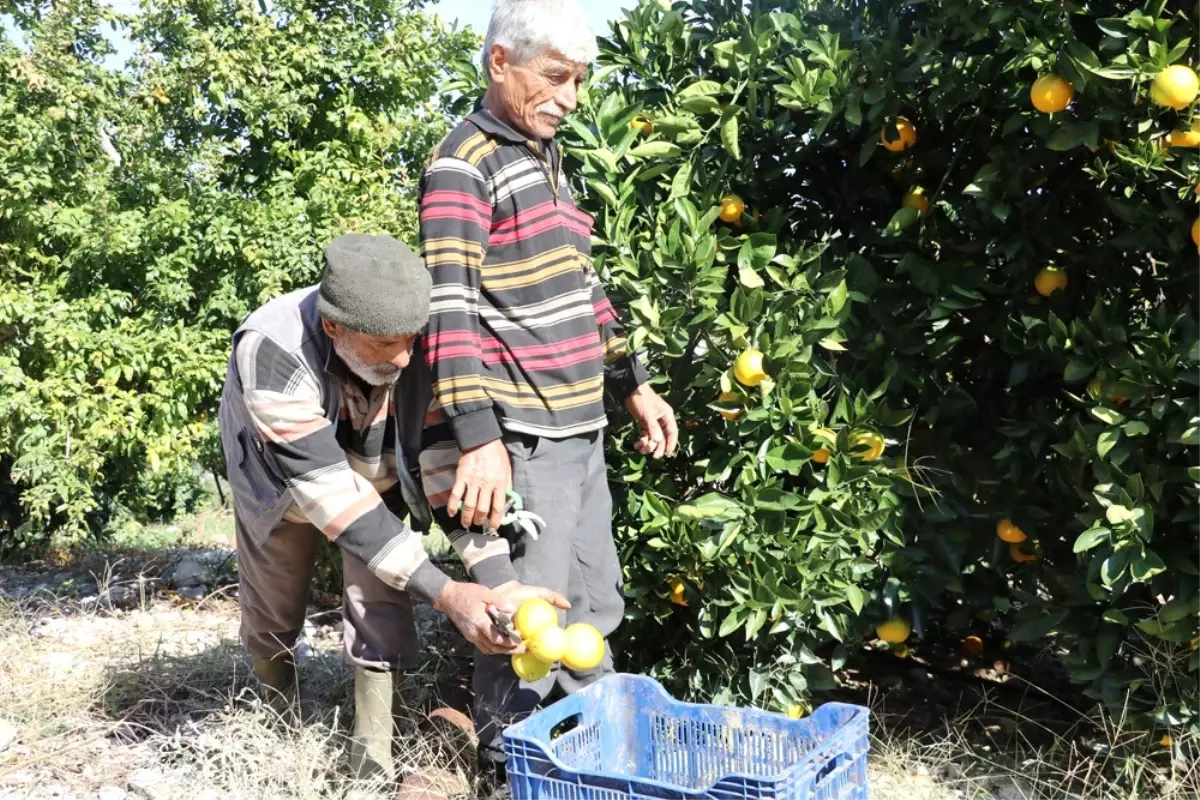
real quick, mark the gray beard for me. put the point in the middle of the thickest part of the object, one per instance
(371, 374)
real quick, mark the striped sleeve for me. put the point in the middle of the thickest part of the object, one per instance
(623, 372)
(455, 221)
(284, 402)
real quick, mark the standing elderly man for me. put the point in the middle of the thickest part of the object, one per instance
(320, 414)
(522, 344)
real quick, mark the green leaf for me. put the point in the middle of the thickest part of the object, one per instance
(1146, 567)
(856, 597)
(759, 680)
(698, 89)
(659, 149)
(1107, 441)
(604, 190)
(1107, 415)
(710, 506)
(776, 500)
(1077, 370)
(749, 278)
(901, 220)
(681, 184)
(701, 105)
(1090, 538)
(729, 136)
(1038, 627)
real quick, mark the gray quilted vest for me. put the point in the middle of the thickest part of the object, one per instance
(260, 496)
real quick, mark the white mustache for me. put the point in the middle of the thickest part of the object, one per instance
(552, 108)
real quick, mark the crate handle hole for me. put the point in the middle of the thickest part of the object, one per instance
(566, 726)
(830, 767)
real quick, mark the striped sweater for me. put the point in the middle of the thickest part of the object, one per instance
(521, 335)
(342, 477)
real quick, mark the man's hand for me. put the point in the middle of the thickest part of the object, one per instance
(660, 432)
(515, 593)
(466, 606)
(483, 478)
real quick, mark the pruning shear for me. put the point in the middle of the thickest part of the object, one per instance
(504, 623)
(515, 514)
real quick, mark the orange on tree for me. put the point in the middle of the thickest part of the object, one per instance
(678, 593)
(642, 124)
(1175, 87)
(730, 414)
(748, 369)
(1008, 532)
(534, 615)
(1196, 232)
(894, 631)
(1019, 555)
(973, 645)
(732, 207)
(868, 446)
(899, 135)
(1184, 138)
(1051, 93)
(795, 711)
(916, 199)
(1049, 280)
(584, 648)
(821, 455)
(529, 667)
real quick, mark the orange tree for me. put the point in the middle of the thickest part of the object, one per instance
(867, 194)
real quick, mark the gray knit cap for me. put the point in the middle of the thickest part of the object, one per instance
(374, 284)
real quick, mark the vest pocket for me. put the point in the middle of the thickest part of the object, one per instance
(266, 486)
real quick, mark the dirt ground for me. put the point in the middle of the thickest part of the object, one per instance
(119, 681)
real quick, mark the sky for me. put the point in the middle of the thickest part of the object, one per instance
(472, 13)
(476, 12)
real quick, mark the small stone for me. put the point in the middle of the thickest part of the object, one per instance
(111, 793)
(198, 592)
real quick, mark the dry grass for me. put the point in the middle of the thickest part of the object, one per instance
(159, 701)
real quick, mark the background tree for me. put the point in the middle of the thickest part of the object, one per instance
(931, 395)
(145, 211)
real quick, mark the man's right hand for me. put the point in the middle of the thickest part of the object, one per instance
(481, 482)
(466, 606)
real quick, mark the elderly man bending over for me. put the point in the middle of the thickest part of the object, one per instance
(320, 414)
(522, 344)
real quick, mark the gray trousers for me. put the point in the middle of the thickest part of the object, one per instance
(564, 481)
(274, 583)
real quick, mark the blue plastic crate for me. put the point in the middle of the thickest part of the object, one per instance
(625, 738)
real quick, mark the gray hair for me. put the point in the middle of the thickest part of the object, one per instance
(527, 28)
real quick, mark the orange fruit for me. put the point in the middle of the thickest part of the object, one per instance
(1175, 87)
(548, 643)
(898, 136)
(534, 615)
(732, 207)
(1019, 555)
(1051, 93)
(1183, 139)
(795, 712)
(529, 667)
(748, 369)
(1008, 532)
(872, 442)
(821, 456)
(1049, 280)
(584, 647)
(1196, 232)
(1166, 740)
(730, 414)
(642, 124)
(916, 199)
(894, 631)
(678, 593)
(973, 645)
